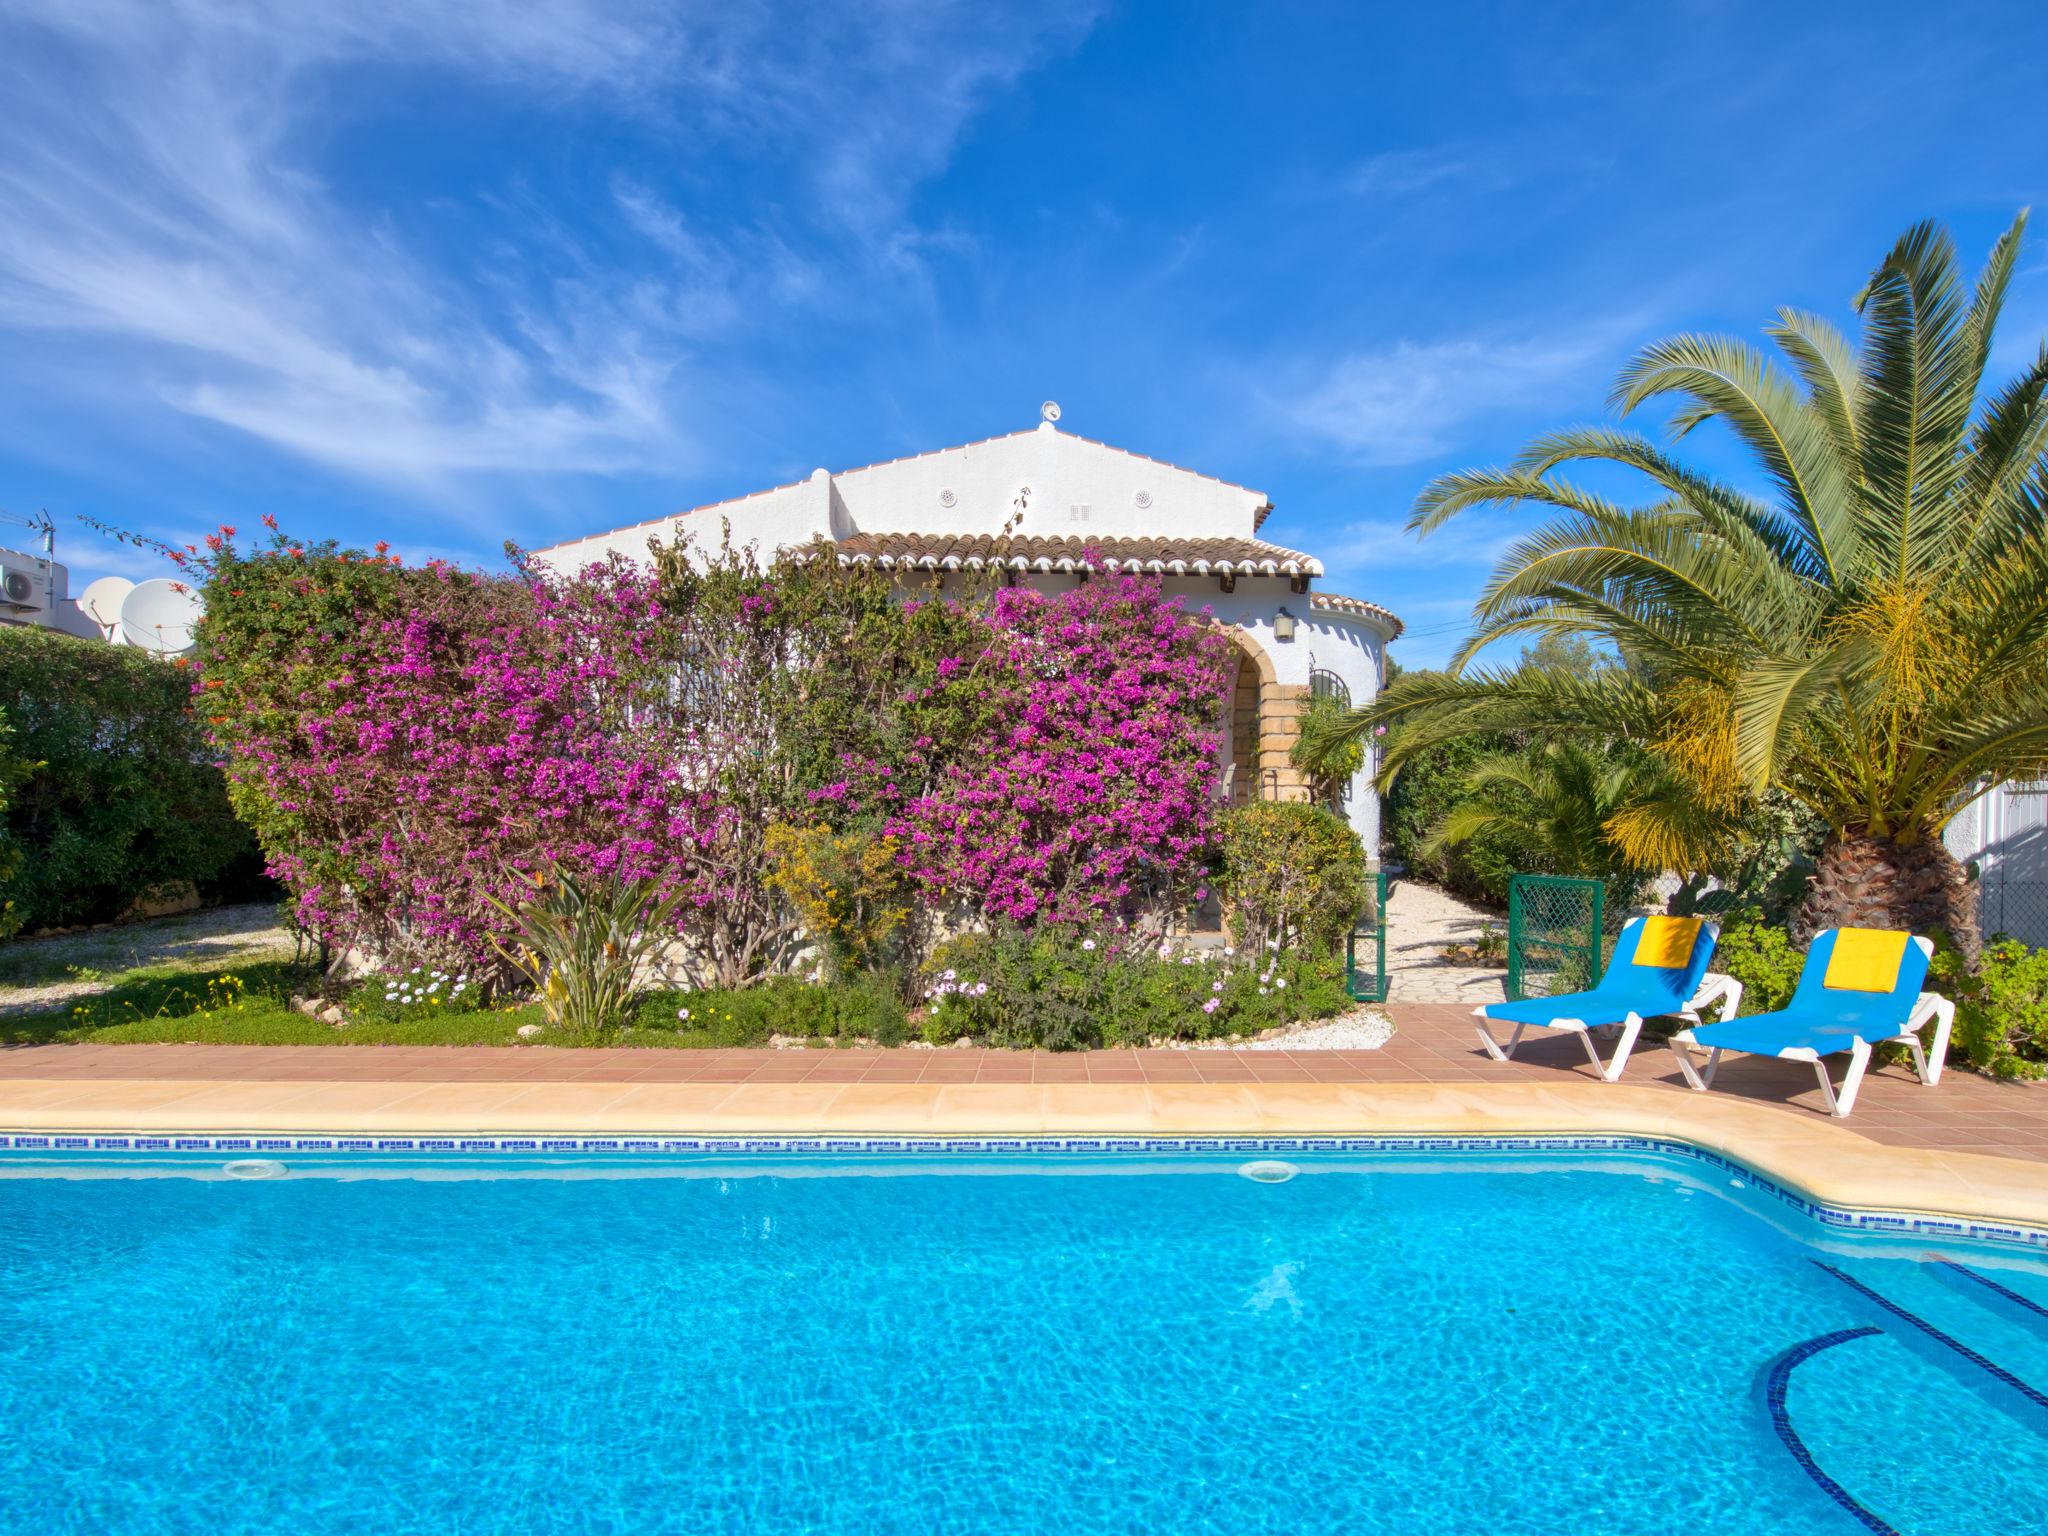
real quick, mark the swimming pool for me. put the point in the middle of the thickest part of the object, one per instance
(1397, 1342)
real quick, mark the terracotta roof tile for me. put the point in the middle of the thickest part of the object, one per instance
(1358, 607)
(934, 551)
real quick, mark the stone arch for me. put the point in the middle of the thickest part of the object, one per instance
(1265, 720)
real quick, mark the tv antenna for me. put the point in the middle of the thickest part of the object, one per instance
(41, 523)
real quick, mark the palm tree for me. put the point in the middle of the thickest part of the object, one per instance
(1872, 636)
(1554, 802)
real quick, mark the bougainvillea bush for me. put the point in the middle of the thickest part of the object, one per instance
(410, 743)
(407, 742)
(1077, 769)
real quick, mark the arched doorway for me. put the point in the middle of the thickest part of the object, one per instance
(1265, 718)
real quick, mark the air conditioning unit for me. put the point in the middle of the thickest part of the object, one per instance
(30, 587)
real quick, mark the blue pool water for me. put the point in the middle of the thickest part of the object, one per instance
(1003, 1346)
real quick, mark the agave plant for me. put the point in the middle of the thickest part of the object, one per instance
(1872, 636)
(581, 944)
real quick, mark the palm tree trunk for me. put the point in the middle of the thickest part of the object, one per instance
(1864, 881)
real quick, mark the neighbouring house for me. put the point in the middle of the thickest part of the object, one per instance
(1031, 504)
(2002, 833)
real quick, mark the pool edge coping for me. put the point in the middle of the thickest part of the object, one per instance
(1839, 1177)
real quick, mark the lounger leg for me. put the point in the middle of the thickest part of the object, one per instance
(1493, 1047)
(1630, 1028)
(1937, 1053)
(1699, 1081)
(1839, 1104)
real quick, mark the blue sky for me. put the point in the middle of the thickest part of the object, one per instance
(524, 268)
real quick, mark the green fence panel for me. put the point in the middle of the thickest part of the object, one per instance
(1554, 935)
(1365, 953)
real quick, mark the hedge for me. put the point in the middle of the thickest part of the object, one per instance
(114, 797)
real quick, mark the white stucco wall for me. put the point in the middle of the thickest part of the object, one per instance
(1353, 649)
(782, 518)
(1075, 487)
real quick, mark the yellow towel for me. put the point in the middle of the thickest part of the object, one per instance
(1865, 960)
(1666, 942)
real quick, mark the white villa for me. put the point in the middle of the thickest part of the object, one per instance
(1059, 495)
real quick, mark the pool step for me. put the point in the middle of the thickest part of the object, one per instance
(1979, 1374)
(1995, 1295)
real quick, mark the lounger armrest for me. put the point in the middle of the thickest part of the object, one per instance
(1715, 988)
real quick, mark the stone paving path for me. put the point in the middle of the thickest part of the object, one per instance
(1422, 919)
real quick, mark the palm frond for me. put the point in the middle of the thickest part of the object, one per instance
(1730, 381)
(1825, 361)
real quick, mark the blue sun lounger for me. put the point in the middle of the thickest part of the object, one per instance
(1860, 987)
(1659, 968)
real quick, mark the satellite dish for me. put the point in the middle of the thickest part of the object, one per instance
(101, 601)
(159, 616)
(1050, 410)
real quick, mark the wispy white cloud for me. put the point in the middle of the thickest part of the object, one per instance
(1410, 401)
(1383, 544)
(1406, 401)
(160, 199)
(1396, 173)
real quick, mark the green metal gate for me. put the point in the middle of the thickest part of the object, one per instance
(1365, 953)
(1554, 935)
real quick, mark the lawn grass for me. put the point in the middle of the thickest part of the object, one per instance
(174, 1004)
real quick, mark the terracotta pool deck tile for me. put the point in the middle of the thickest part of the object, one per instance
(1431, 1076)
(894, 1072)
(951, 1072)
(1125, 1073)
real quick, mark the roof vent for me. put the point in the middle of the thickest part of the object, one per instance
(946, 496)
(1143, 499)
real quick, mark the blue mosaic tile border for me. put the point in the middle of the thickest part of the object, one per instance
(1776, 1387)
(1948, 1228)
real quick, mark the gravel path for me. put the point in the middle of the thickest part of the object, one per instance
(69, 966)
(1421, 920)
(1362, 1029)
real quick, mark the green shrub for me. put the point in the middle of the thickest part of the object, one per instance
(859, 1008)
(118, 797)
(1329, 769)
(2001, 1007)
(1293, 877)
(417, 995)
(1066, 992)
(1429, 786)
(1758, 954)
